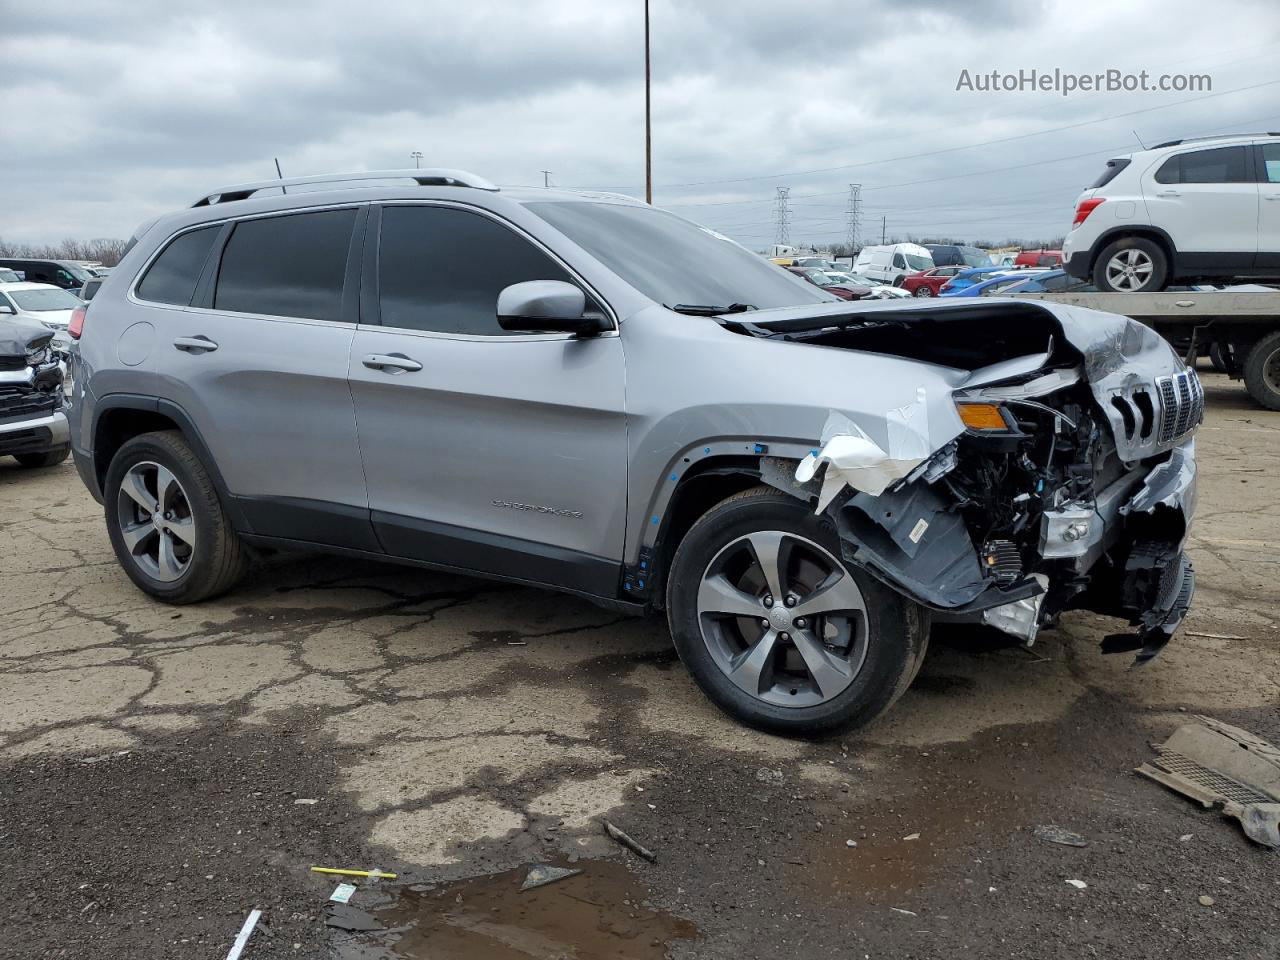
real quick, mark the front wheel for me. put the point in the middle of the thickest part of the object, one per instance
(777, 629)
(1131, 265)
(924, 291)
(166, 523)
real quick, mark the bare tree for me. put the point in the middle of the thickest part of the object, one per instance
(104, 250)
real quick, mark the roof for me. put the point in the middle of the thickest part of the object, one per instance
(27, 285)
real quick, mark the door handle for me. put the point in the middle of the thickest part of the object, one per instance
(1170, 193)
(1272, 196)
(195, 344)
(392, 362)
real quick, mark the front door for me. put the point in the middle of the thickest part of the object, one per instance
(488, 451)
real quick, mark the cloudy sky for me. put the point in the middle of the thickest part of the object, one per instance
(116, 112)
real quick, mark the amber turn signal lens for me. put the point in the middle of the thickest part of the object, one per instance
(982, 416)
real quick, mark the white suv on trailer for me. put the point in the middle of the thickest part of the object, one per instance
(1186, 210)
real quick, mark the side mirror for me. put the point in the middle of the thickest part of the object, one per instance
(548, 306)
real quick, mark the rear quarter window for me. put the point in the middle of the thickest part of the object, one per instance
(172, 276)
(1112, 171)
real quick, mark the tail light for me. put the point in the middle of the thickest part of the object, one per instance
(76, 326)
(1085, 208)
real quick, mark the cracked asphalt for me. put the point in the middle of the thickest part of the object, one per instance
(152, 758)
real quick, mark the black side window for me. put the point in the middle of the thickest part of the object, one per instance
(172, 277)
(898, 261)
(1220, 165)
(441, 269)
(290, 266)
(1112, 171)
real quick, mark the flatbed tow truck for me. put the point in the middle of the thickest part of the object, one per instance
(1238, 329)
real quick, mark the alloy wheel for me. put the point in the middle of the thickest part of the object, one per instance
(1129, 270)
(155, 522)
(783, 619)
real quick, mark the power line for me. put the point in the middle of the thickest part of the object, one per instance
(970, 146)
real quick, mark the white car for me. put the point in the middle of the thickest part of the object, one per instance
(44, 303)
(879, 291)
(1185, 211)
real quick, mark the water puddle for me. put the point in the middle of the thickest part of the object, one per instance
(595, 914)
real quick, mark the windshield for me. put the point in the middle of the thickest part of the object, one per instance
(9, 276)
(40, 301)
(974, 257)
(673, 261)
(1001, 283)
(918, 263)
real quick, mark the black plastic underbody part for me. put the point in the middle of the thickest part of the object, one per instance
(1155, 594)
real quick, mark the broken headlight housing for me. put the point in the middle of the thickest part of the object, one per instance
(39, 356)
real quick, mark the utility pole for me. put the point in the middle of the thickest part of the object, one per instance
(648, 127)
(782, 216)
(417, 159)
(546, 177)
(883, 220)
(855, 216)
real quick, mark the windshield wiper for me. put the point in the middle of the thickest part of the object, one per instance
(703, 310)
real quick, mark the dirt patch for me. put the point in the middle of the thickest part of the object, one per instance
(162, 852)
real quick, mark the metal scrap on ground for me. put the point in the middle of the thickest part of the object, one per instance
(1054, 834)
(1225, 768)
(243, 936)
(540, 874)
(632, 845)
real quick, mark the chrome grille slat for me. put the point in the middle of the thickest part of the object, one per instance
(1181, 404)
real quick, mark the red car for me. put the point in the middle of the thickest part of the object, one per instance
(1039, 258)
(820, 279)
(927, 283)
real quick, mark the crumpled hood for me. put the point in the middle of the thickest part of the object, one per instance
(19, 337)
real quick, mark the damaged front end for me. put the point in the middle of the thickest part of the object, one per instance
(1066, 478)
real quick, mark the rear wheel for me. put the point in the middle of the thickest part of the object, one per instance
(1220, 356)
(777, 630)
(166, 523)
(49, 458)
(1131, 265)
(1262, 371)
(924, 291)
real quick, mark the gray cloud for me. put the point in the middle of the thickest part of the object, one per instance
(123, 111)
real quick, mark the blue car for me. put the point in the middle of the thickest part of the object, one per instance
(967, 278)
(990, 283)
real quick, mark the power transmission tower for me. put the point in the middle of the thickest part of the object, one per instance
(855, 216)
(782, 216)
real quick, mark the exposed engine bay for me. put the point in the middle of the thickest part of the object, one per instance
(1068, 483)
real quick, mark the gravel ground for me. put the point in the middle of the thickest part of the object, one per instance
(151, 760)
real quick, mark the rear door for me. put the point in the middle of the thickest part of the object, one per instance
(1207, 201)
(258, 362)
(485, 450)
(1268, 155)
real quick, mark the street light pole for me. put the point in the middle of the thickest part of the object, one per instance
(417, 159)
(648, 130)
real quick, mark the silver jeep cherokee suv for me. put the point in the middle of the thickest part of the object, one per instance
(583, 392)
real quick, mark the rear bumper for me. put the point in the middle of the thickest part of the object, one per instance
(1077, 264)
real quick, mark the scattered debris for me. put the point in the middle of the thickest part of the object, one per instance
(242, 938)
(1223, 768)
(307, 802)
(343, 916)
(1078, 884)
(517, 643)
(1050, 833)
(1206, 901)
(1185, 837)
(540, 874)
(907, 912)
(628, 842)
(851, 843)
(1215, 636)
(343, 892)
(912, 836)
(354, 873)
(767, 775)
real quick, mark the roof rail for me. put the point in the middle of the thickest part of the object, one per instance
(426, 177)
(1220, 136)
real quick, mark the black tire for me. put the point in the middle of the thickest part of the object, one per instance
(897, 631)
(924, 290)
(1153, 282)
(50, 458)
(219, 559)
(1220, 357)
(1262, 371)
